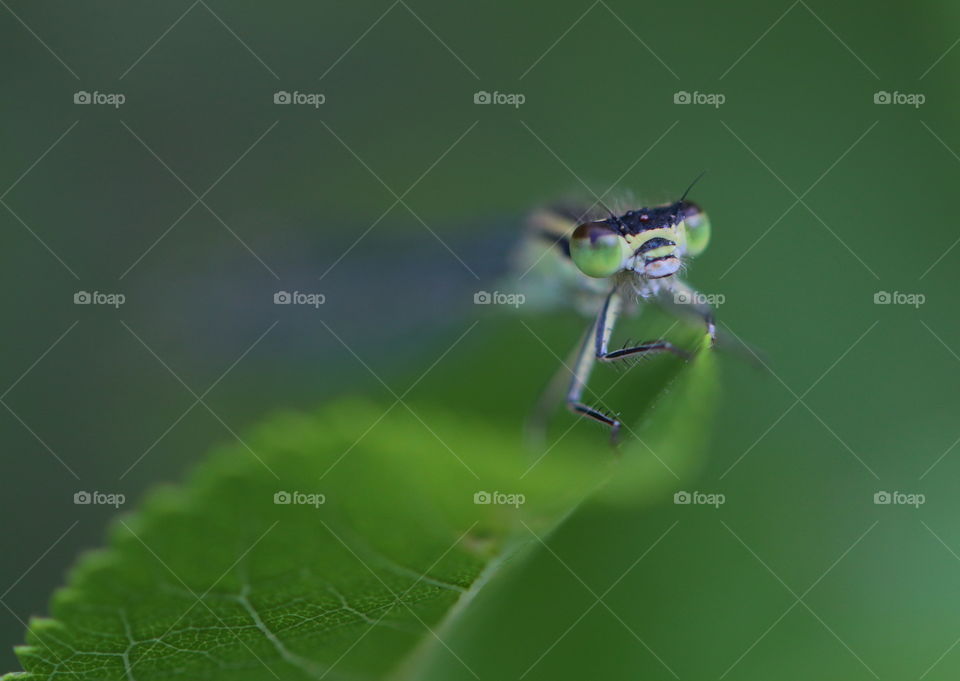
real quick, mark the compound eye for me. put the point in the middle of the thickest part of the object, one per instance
(698, 233)
(597, 249)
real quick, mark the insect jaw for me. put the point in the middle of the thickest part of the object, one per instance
(656, 253)
(663, 266)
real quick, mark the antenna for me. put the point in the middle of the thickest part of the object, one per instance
(695, 180)
(612, 214)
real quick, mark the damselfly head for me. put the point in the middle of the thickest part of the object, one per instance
(651, 242)
(598, 249)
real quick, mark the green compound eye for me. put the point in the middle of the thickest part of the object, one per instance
(598, 250)
(698, 233)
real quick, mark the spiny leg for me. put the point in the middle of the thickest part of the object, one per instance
(604, 330)
(581, 374)
(596, 348)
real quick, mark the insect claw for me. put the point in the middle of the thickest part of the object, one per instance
(615, 435)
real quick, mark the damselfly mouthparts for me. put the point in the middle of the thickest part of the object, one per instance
(612, 260)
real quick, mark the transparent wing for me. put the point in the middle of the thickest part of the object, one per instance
(543, 270)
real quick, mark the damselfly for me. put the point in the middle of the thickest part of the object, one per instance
(611, 260)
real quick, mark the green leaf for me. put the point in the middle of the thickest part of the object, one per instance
(216, 580)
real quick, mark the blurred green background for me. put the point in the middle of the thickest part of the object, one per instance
(820, 198)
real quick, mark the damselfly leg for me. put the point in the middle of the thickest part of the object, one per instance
(595, 347)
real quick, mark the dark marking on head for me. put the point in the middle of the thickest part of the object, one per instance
(656, 217)
(651, 244)
(644, 219)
